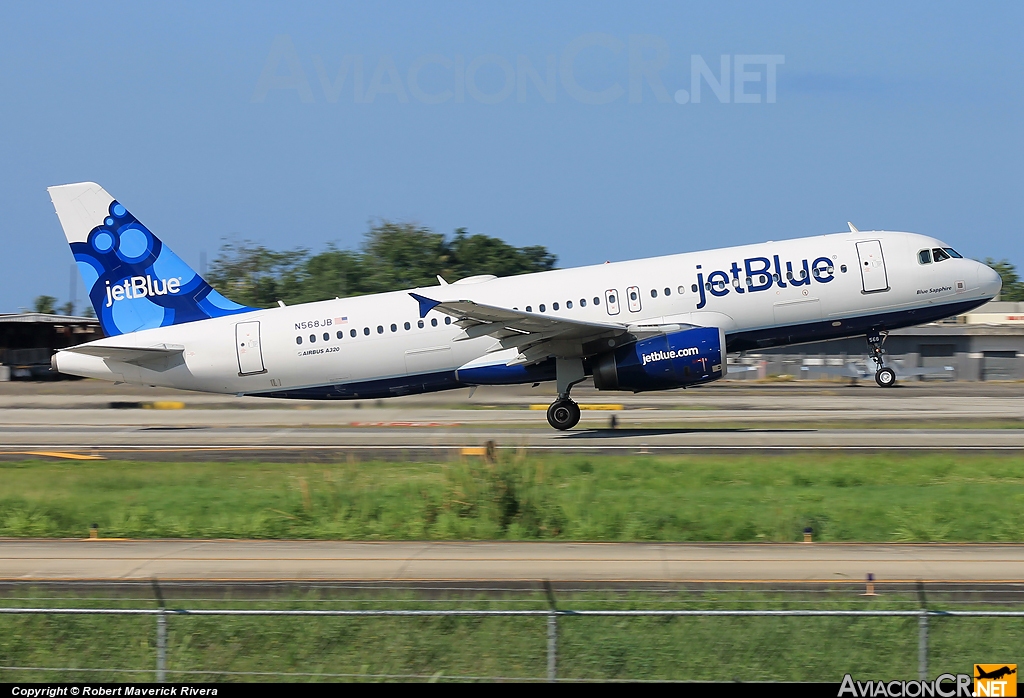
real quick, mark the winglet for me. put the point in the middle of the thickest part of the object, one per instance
(426, 304)
(441, 281)
(853, 228)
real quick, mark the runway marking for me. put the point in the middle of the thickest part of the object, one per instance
(128, 448)
(57, 454)
(503, 580)
(596, 407)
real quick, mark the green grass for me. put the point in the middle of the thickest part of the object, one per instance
(940, 497)
(750, 649)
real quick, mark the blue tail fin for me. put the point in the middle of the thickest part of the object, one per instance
(134, 281)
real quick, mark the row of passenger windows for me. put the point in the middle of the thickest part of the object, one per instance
(938, 254)
(366, 330)
(542, 308)
(612, 300)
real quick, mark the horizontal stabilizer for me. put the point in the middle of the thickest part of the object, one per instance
(157, 358)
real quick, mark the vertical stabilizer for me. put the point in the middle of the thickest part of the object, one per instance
(134, 281)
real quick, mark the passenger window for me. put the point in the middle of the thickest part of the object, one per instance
(298, 340)
(366, 331)
(668, 291)
(776, 277)
(568, 305)
(554, 306)
(351, 333)
(803, 273)
(327, 336)
(924, 257)
(340, 334)
(380, 329)
(529, 308)
(843, 268)
(939, 255)
(394, 327)
(789, 275)
(632, 295)
(597, 301)
(433, 322)
(312, 338)
(583, 302)
(448, 320)
(681, 290)
(953, 253)
(693, 288)
(407, 326)
(541, 307)
(419, 323)
(654, 293)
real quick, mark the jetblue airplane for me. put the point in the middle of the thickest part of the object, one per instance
(649, 324)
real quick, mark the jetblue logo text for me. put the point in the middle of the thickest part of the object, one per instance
(760, 274)
(673, 354)
(142, 287)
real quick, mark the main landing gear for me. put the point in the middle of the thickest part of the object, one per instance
(884, 376)
(564, 413)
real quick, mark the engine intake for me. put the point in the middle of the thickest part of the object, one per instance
(673, 360)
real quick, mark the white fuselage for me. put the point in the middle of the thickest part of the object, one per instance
(307, 348)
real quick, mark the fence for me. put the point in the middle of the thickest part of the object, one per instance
(552, 615)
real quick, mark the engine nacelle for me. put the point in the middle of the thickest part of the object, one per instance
(671, 360)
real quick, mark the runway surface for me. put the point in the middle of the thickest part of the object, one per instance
(727, 417)
(242, 561)
(434, 442)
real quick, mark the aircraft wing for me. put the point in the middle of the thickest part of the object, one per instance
(160, 357)
(536, 336)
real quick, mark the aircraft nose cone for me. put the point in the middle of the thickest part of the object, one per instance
(988, 280)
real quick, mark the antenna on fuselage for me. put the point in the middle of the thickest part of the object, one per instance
(442, 281)
(853, 228)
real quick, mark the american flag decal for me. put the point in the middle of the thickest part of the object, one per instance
(340, 320)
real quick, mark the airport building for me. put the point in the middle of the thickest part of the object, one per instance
(27, 340)
(985, 344)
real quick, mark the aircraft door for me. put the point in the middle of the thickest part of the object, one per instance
(872, 266)
(633, 299)
(611, 301)
(247, 344)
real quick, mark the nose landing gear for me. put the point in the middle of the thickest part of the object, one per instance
(884, 376)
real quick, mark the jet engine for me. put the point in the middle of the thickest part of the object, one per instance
(672, 360)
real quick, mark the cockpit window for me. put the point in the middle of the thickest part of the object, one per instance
(953, 253)
(924, 256)
(939, 254)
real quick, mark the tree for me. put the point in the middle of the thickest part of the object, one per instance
(44, 304)
(1013, 288)
(391, 257)
(253, 275)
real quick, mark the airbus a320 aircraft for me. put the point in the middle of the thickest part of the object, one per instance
(649, 324)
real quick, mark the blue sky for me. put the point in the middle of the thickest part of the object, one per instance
(895, 116)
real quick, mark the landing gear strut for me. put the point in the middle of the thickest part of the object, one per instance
(884, 376)
(564, 413)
